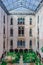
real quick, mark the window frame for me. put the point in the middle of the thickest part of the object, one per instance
(30, 44)
(21, 21)
(21, 43)
(30, 21)
(20, 30)
(30, 32)
(11, 21)
(4, 19)
(11, 44)
(11, 32)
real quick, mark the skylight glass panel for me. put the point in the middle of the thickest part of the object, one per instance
(5, 2)
(9, 1)
(14, 4)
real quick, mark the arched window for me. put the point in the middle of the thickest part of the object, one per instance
(30, 21)
(38, 31)
(30, 43)
(4, 19)
(11, 22)
(11, 32)
(4, 44)
(4, 30)
(11, 44)
(38, 19)
(30, 32)
(21, 43)
(21, 20)
(20, 31)
(38, 44)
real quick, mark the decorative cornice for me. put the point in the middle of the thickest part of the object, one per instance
(22, 14)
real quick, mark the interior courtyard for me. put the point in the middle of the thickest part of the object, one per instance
(21, 32)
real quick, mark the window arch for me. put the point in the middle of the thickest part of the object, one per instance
(21, 20)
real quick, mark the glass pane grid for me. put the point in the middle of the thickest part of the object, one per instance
(13, 4)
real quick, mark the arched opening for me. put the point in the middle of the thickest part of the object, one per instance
(16, 50)
(25, 50)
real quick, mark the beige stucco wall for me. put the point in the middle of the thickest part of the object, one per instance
(26, 26)
(40, 25)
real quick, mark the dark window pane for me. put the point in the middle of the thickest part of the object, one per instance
(20, 20)
(4, 30)
(4, 19)
(20, 43)
(38, 19)
(11, 21)
(21, 31)
(30, 21)
(4, 44)
(38, 44)
(38, 31)
(30, 43)
(11, 44)
(30, 32)
(11, 32)
(23, 43)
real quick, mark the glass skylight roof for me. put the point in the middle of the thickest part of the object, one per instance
(28, 4)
